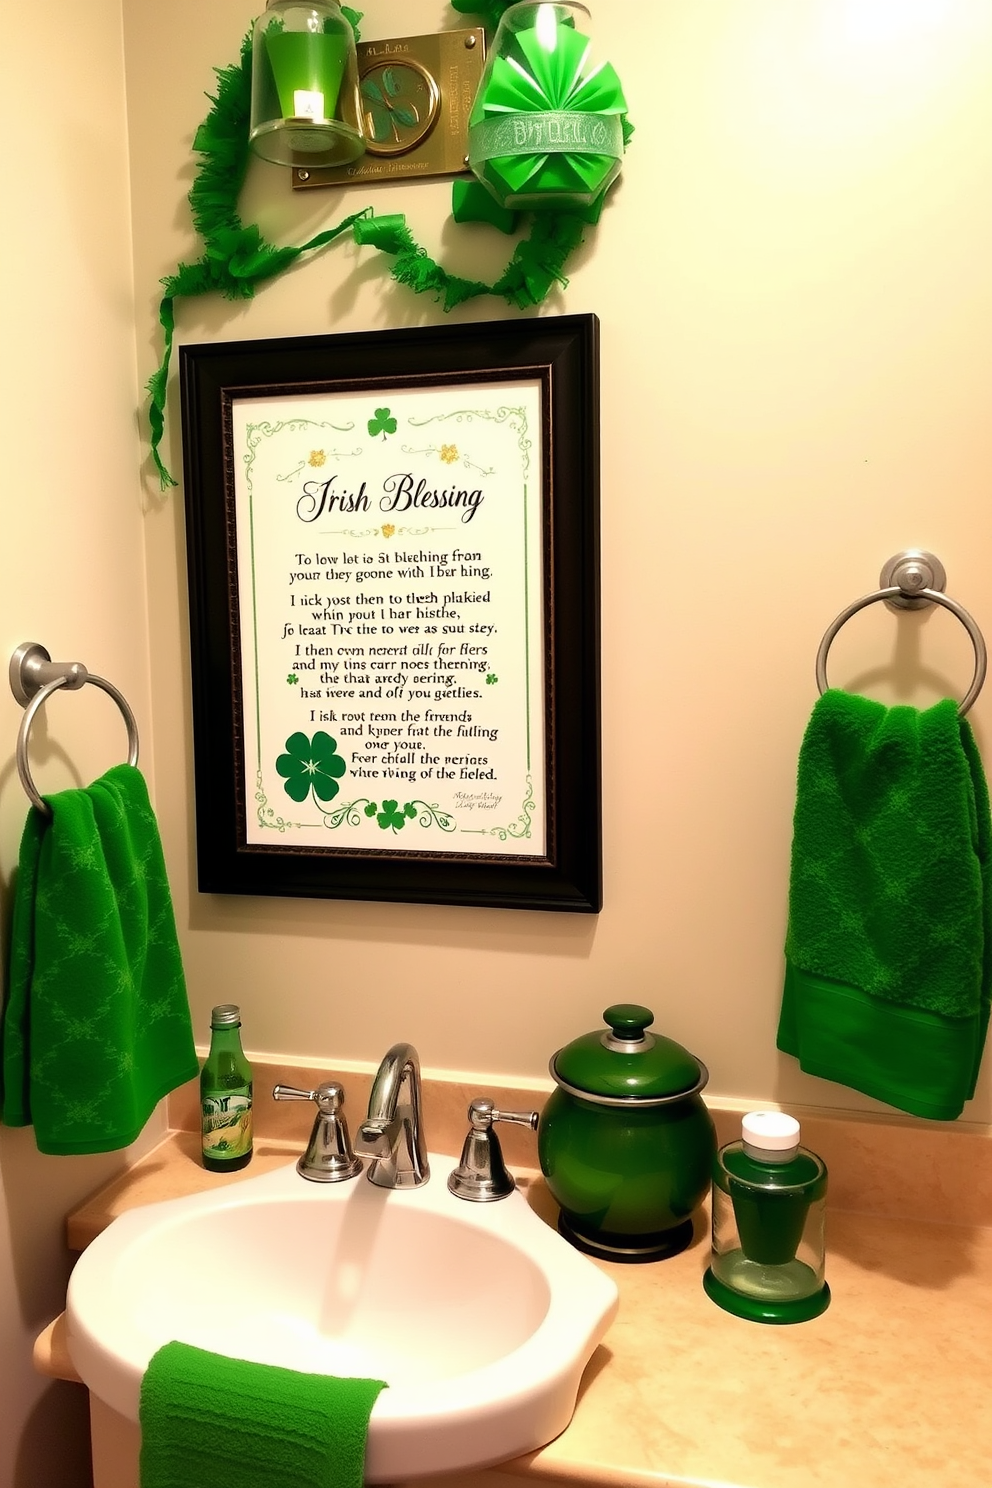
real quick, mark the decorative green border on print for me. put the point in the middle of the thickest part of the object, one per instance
(425, 814)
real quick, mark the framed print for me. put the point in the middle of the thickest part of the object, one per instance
(393, 554)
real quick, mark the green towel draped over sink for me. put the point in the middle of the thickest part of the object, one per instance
(96, 1024)
(208, 1421)
(889, 945)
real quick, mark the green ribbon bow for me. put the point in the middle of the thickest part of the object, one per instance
(546, 126)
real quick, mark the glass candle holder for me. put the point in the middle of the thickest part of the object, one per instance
(769, 1201)
(305, 108)
(546, 127)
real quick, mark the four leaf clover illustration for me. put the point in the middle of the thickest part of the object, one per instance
(392, 816)
(383, 423)
(311, 763)
(317, 457)
(449, 453)
(491, 678)
(292, 678)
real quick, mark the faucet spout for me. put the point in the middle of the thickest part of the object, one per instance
(393, 1131)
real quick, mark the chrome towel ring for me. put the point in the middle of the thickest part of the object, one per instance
(911, 580)
(34, 676)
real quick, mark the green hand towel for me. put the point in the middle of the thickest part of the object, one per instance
(96, 1025)
(889, 945)
(208, 1421)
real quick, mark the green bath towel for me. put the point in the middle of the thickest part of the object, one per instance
(889, 946)
(96, 1023)
(212, 1422)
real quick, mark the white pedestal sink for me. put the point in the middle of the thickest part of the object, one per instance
(480, 1318)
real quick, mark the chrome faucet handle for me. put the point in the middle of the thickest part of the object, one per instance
(292, 1092)
(328, 1157)
(482, 1176)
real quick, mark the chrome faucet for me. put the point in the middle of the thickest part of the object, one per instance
(393, 1131)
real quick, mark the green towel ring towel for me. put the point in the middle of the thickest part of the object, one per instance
(34, 676)
(911, 580)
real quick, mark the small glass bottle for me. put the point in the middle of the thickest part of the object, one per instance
(225, 1095)
(769, 1198)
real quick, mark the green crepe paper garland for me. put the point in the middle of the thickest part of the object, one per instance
(236, 258)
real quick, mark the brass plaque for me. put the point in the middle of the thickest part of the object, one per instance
(417, 93)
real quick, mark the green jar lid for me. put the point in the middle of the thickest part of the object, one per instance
(626, 1064)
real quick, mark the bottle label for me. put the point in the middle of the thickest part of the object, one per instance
(226, 1125)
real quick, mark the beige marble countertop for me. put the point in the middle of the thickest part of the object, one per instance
(890, 1388)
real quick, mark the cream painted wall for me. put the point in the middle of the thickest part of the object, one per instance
(71, 577)
(794, 288)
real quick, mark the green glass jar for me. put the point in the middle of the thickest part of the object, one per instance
(547, 126)
(625, 1142)
(305, 104)
(226, 1095)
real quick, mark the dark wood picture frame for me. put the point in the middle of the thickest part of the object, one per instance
(561, 354)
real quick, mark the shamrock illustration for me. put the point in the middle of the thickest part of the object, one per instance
(317, 457)
(449, 453)
(388, 529)
(292, 678)
(392, 816)
(387, 109)
(371, 809)
(311, 763)
(491, 678)
(382, 421)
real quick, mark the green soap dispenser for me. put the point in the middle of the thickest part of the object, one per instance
(226, 1095)
(769, 1197)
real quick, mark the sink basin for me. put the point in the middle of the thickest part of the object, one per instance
(479, 1316)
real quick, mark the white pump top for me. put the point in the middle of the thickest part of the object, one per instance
(770, 1136)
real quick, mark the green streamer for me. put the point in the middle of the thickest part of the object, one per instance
(236, 258)
(491, 11)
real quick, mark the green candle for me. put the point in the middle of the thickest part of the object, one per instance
(307, 68)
